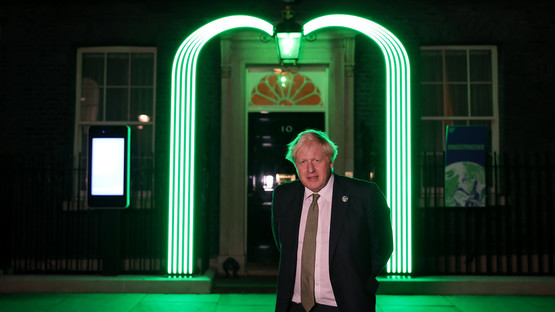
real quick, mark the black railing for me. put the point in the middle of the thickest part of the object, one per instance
(512, 235)
(48, 227)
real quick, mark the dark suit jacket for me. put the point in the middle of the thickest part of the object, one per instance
(360, 241)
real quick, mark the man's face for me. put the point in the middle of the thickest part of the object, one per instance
(313, 166)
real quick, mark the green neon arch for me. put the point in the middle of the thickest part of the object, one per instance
(182, 134)
(398, 148)
(182, 138)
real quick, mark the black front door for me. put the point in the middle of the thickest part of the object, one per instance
(268, 136)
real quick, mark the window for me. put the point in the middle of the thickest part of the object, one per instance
(458, 87)
(117, 86)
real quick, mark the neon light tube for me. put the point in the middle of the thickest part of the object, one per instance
(182, 134)
(398, 147)
(182, 138)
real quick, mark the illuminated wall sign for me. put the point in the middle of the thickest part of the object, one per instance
(182, 146)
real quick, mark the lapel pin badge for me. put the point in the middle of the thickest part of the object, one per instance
(345, 198)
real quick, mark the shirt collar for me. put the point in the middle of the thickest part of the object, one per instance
(326, 191)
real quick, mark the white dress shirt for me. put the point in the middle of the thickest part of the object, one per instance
(322, 285)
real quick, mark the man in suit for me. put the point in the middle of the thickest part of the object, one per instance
(333, 233)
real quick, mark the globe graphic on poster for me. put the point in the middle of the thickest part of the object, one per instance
(465, 185)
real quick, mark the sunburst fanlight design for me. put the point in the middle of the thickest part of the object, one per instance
(285, 89)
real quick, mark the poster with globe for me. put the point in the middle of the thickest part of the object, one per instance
(465, 166)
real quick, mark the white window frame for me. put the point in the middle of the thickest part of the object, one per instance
(77, 144)
(495, 92)
(437, 192)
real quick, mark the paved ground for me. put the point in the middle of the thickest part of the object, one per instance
(257, 303)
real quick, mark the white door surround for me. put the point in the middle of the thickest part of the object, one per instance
(239, 50)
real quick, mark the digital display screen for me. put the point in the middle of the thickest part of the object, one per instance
(108, 166)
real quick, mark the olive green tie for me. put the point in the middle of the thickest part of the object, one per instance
(309, 254)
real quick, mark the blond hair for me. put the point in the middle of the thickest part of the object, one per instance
(329, 148)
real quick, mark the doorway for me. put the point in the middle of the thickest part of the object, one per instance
(246, 61)
(268, 136)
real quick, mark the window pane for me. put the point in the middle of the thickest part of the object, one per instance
(480, 65)
(430, 138)
(142, 69)
(456, 100)
(93, 67)
(141, 102)
(486, 123)
(455, 65)
(432, 100)
(141, 144)
(481, 100)
(142, 170)
(118, 69)
(431, 66)
(84, 146)
(116, 104)
(92, 106)
(455, 123)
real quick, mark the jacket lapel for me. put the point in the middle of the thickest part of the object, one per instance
(295, 212)
(339, 205)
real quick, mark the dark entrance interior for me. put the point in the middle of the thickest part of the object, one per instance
(268, 136)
